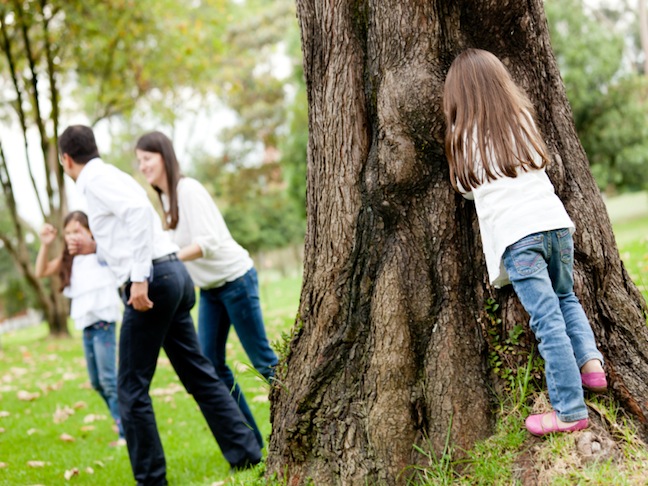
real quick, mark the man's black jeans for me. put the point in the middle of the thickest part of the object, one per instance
(169, 324)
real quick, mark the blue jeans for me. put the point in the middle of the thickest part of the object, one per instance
(99, 347)
(236, 303)
(540, 267)
(169, 325)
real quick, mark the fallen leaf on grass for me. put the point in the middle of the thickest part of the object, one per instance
(260, 399)
(17, 371)
(89, 470)
(87, 428)
(172, 389)
(62, 414)
(79, 405)
(88, 419)
(37, 463)
(2, 430)
(67, 438)
(71, 473)
(3, 464)
(32, 431)
(25, 396)
(100, 464)
(47, 387)
(4, 413)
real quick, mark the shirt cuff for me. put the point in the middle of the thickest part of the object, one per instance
(140, 272)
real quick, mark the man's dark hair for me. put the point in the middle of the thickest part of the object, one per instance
(78, 142)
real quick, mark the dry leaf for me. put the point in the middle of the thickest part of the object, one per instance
(25, 396)
(36, 463)
(4, 413)
(2, 430)
(71, 473)
(79, 405)
(87, 428)
(46, 387)
(100, 464)
(172, 389)
(3, 464)
(62, 414)
(67, 438)
(88, 419)
(89, 470)
(32, 431)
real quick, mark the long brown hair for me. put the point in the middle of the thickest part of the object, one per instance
(489, 118)
(159, 143)
(65, 269)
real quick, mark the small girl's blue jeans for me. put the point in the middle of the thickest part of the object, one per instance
(99, 346)
(540, 267)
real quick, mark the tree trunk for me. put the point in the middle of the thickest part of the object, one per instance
(388, 349)
(643, 33)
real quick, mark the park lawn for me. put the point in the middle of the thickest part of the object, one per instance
(632, 239)
(53, 370)
(45, 393)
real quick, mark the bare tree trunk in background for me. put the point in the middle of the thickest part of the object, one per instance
(25, 45)
(643, 33)
(388, 347)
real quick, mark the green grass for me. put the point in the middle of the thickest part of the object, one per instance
(55, 370)
(632, 239)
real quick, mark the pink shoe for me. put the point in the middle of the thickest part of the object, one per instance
(534, 425)
(595, 382)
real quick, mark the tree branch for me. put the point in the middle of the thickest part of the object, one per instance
(6, 44)
(38, 117)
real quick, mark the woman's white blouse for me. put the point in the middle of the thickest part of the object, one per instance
(200, 222)
(93, 291)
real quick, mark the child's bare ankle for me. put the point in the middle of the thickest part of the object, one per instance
(592, 366)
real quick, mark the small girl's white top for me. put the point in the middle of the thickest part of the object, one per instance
(200, 222)
(508, 209)
(93, 290)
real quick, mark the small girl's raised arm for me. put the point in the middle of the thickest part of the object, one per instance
(43, 267)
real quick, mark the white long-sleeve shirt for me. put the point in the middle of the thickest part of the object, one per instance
(93, 292)
(127, 229)
(508, 209)
(200, 222)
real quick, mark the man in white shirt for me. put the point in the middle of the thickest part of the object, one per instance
(159, 295)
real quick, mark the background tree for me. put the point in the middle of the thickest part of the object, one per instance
(101, 58)
(389, 346)
(599, 56)
(257, 177)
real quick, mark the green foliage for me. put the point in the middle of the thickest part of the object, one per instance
(609, 99)
(507, 356)
(260, 177)
(16, 296)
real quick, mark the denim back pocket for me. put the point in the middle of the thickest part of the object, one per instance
(527, 254)
(566, 245)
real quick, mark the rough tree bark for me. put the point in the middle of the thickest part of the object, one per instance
(24, 50)
(388, 348)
